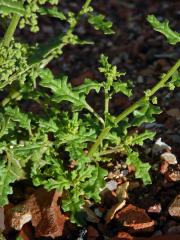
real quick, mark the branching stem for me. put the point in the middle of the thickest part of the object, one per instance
(96, 115)
(133, 107)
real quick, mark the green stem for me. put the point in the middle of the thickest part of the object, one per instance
(69, 32)
(133, 107)
(116, 149)
(11, 29)
(106, 107)
(87, 3)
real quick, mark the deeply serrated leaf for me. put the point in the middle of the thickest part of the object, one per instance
(6, 178)
(53, 12)
(100, 23)
(62, 90)
(87, 86)
(175, 80)
(145, 114)
(142, 169)
(121, 87)
(74, 204)
(93, 186)
(138, 139)
(173, 37)
(17, 116)
(8, 6)
(48, 125)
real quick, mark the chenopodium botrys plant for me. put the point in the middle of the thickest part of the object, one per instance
(64, 149)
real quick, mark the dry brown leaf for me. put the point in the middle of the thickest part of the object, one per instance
(112, 211)
(121, 191)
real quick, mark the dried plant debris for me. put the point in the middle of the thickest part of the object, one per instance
(174, 208)
(160, 146)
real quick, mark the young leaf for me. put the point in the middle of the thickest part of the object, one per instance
(48, 125)
(5, 125)
(17, 116)
(123, 88)
(53, 12)
(52, 175)
(173, 37)
(109, 71)
(73, 203)
(175, 80)
(87, 86)
(142, 169)
(145, 114)
(112, 78)
(6, 178)
(99, 23)
(93, 186)
(138, 139)
(75, 136)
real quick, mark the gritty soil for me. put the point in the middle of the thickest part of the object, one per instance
(149, 212)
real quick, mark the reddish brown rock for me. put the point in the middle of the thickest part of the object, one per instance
(92, 233)
(135, 219)
(123, 236)
(126, 236)
(52, 220)
(164, 167)
(16, 216)
(163, 237)
(174, 230)
(27, 233)
(174, 208)
(173, 174)
(42, 210)
(156, 208)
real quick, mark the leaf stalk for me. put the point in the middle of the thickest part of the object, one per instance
(11, 29)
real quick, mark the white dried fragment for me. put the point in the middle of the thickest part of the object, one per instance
(169, 157)
(111, 185)
(160, 146)
(18, 220)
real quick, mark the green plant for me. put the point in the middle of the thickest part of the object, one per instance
(64, 150)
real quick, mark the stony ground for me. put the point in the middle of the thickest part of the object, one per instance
(128, 209)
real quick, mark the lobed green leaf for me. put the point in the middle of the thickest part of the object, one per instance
(99, 23)
(9, 6)
(52, 12)
(6, 178)
(173, 37)
(145, 114)
(142, 169)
